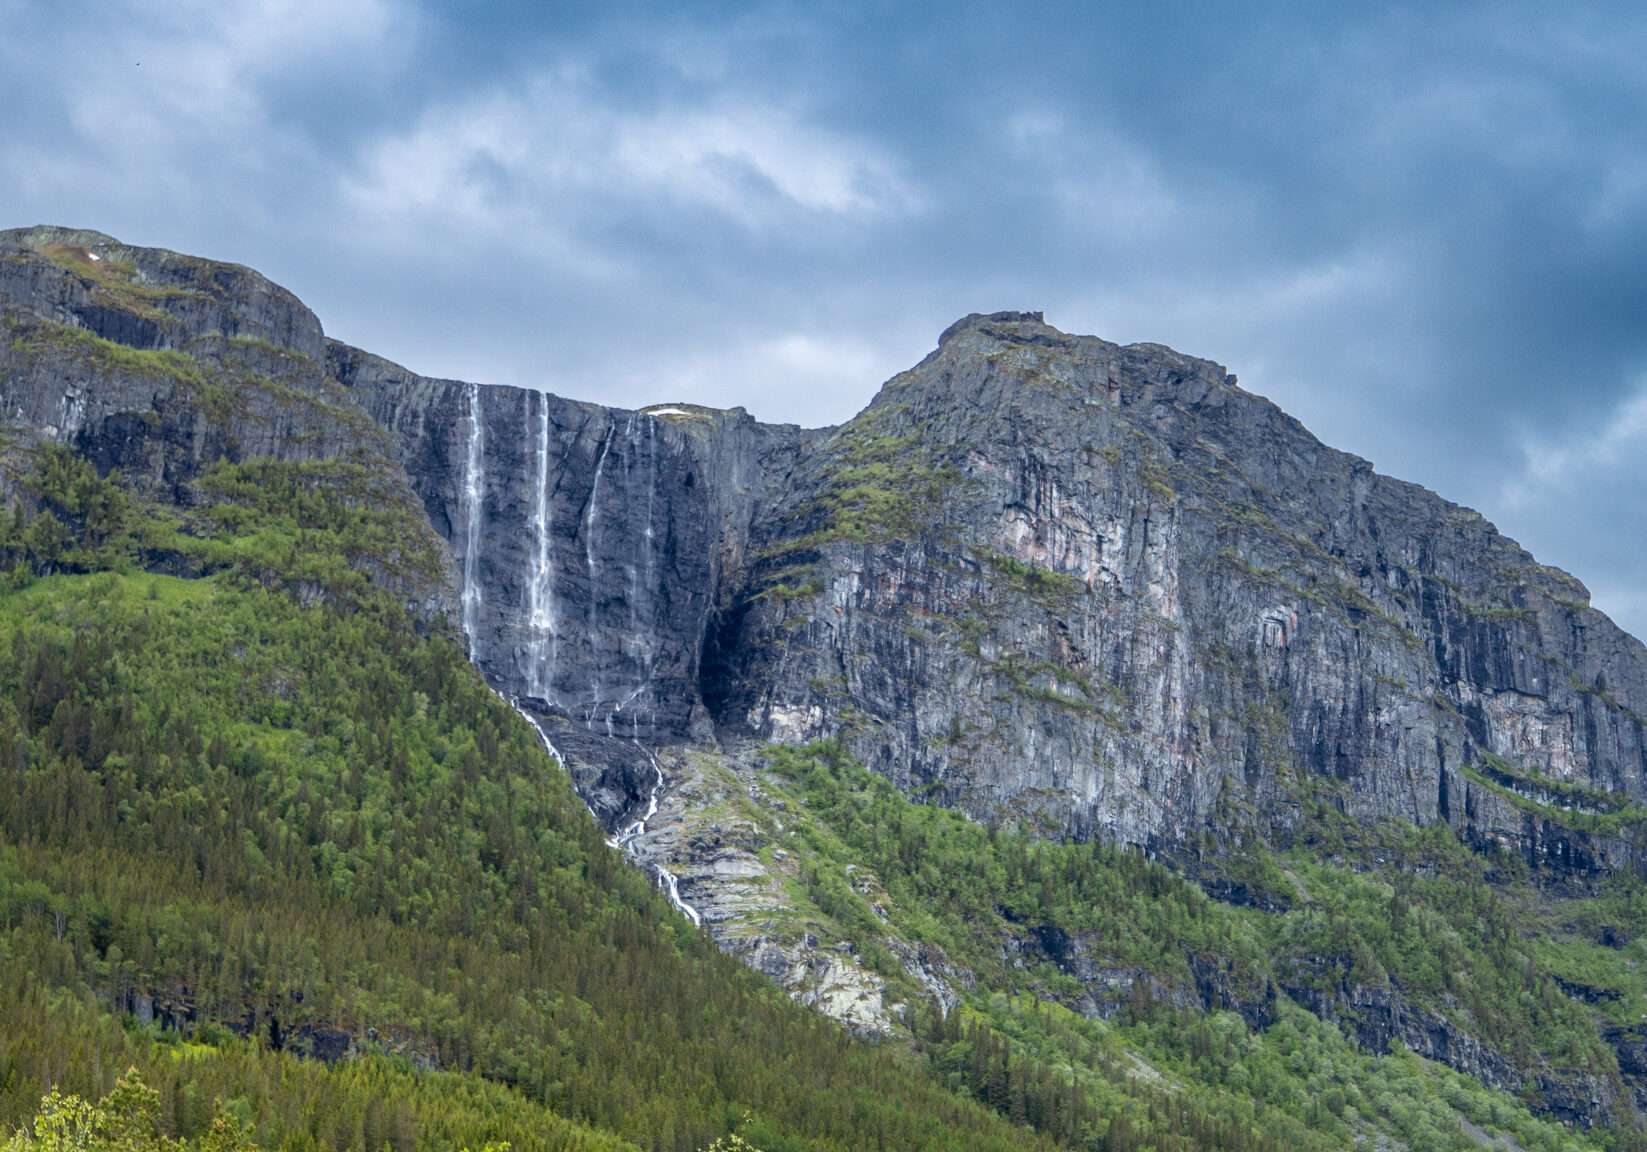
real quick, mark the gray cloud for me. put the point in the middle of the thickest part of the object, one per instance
(1422, 231)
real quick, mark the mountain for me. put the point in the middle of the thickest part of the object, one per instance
(1070, 720)
(1039, 573)
(1100, 592)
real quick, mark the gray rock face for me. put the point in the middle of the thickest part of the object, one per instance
(148, 298)
(1041, 576)
(1109, 589)
(583, 535)
(161, 365)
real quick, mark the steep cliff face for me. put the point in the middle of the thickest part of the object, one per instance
(583, 535)
(593, 545)
(1041, 576)
(1106, 587)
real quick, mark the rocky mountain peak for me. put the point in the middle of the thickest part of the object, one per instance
(997, 323)
(984, 359)
(148, 298)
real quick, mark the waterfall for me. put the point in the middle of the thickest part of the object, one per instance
(554, 754)
(594, 585)
(541, 642)
(474, 495)
(640, 647)
(666, 878)
(651, 553)
(670, 882)
(542, 626)
(635, 643)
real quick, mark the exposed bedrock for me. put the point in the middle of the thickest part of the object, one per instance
(1108, 589)
(1043, 576)
(164, 366)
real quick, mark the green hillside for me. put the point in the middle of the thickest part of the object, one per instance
(1460, 935)
(280, 825)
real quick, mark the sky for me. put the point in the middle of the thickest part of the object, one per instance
(1421, 229)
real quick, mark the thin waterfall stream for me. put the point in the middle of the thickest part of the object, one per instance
(541, 648)
(625, 840)
(474, 495)
(542, 641)
(589, 556)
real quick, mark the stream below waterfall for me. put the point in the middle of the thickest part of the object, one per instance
(625, 841)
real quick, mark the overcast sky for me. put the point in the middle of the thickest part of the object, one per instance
(1420, 229)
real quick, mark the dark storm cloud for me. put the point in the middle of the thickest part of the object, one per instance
(1422, 230)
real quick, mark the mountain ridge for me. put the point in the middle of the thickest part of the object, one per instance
(1090, 592)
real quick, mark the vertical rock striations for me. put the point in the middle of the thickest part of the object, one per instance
(1104, 588)
(584, 535)
(1041, 576)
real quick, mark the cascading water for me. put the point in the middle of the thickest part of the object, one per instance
(625, 840)
(540, 586)
(474, 495)
(594, 586)
(635, 547)
(640, 642)
(671, 882)
(643, 622)
(554, 753)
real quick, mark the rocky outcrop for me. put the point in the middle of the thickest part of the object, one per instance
(1106, 586)
(1040, 576)
(163, 365)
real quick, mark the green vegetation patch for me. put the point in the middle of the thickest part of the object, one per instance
(1562, 802)
(330, 528)
(874, 868)
(268, 817)
(116, 283)
(39, 338)
(1040, 584)
(881, 486)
